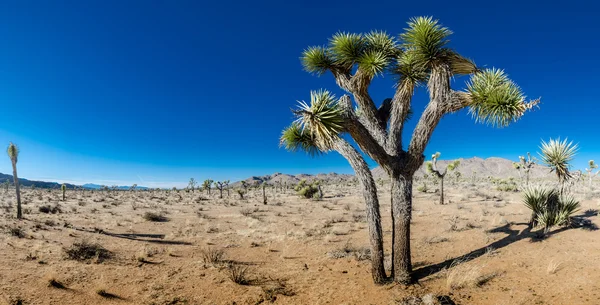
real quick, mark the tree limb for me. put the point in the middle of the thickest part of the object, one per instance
(400, 108)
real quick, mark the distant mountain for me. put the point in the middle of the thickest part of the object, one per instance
(51, 185)
(481, 168)
(29, 183)
(92, 186)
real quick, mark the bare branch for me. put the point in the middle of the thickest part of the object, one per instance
(400, 108)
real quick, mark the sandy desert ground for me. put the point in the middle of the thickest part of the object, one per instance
(476, 249)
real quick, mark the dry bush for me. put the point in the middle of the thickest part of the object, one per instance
(82, 251)
(553, 267)
(46, 209)
(362, 253)
(238, 274)
(155, 217)
(462, 275)
(16, 232)
(212, 256)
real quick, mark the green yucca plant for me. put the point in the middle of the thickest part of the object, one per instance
(590, 171)
(549, 207)
(207, 184)
(13, 154)
(557, 155)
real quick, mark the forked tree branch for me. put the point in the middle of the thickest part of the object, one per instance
(400, 108)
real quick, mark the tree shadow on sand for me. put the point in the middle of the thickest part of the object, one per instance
(579, 221)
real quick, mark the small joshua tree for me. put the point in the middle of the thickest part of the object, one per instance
(557, 155)
(192, 184)
(524, 167)
(439, 173)
(220, 185)
(13, 154)
(63, 188)
(241, 192)
(264, 185)
(6, 184)
(206, 185)
(591, 167)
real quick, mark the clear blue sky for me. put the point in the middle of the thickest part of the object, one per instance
(156, 92)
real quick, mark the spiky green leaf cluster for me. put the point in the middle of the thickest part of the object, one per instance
(453, 165)
(495, 99)
(429, 166)
(295, 138)
(13, 152)
(317, 125)
(548, 207)
(592, 165)
(427, 36)
(317, 60)
(557, 155)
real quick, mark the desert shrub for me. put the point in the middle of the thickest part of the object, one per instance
(308, 191)
(155, 217)
(238, 274)
(348, 250)
(212, 256)
(17, 232)
(423, 188)
(46, 209)
(548, 207)
(82, 251)
(506, 185)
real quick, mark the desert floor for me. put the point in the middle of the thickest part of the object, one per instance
(476, 249)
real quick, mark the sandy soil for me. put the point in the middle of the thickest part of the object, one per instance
(476, 249)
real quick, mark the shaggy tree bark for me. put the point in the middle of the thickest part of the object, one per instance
(365, 177)
(18, 190)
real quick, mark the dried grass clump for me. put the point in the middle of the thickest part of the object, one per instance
(361, 253)
(238, 274)
(461, 276)
(213, 256)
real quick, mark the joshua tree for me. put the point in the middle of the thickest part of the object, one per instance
(206, 185)
(6, 185)
(557, 155)
(192, 184)
(241, 192)
(63, 188)
(133, 187)
(524, 165)
(220, 185)
(13, 154)
(457, 175)
(264, 185)
(592, 166)
(245, 185)
(439, 173)
(421, 57)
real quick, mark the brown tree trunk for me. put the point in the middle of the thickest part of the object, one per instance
(442, 190)
(369, 189)
(401, 212)
(18, 190)
(264, 195)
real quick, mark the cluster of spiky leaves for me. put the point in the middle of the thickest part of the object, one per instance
(308, 190)
(495, 99)
(492, 97)
(557, 155)
(317, 124)
(13, 152)
(549, 208)
(592, 165)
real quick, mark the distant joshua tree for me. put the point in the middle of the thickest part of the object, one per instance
(6, 184)
(525, 165)
(592, 166)
(220, 185)
(207, 184)
(241, 192)
(63, 188)
(192, 184)
(13, 154)
(439, 173)
(264, 185)
(133, 187)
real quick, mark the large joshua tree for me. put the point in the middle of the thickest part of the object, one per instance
(13, 154)
(421, 56)
(441, 173)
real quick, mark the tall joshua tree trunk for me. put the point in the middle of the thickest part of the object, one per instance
(369, 190)
(442, 190)
(401, 216)
(18, 189)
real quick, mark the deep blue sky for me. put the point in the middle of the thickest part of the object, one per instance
(156, 92)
